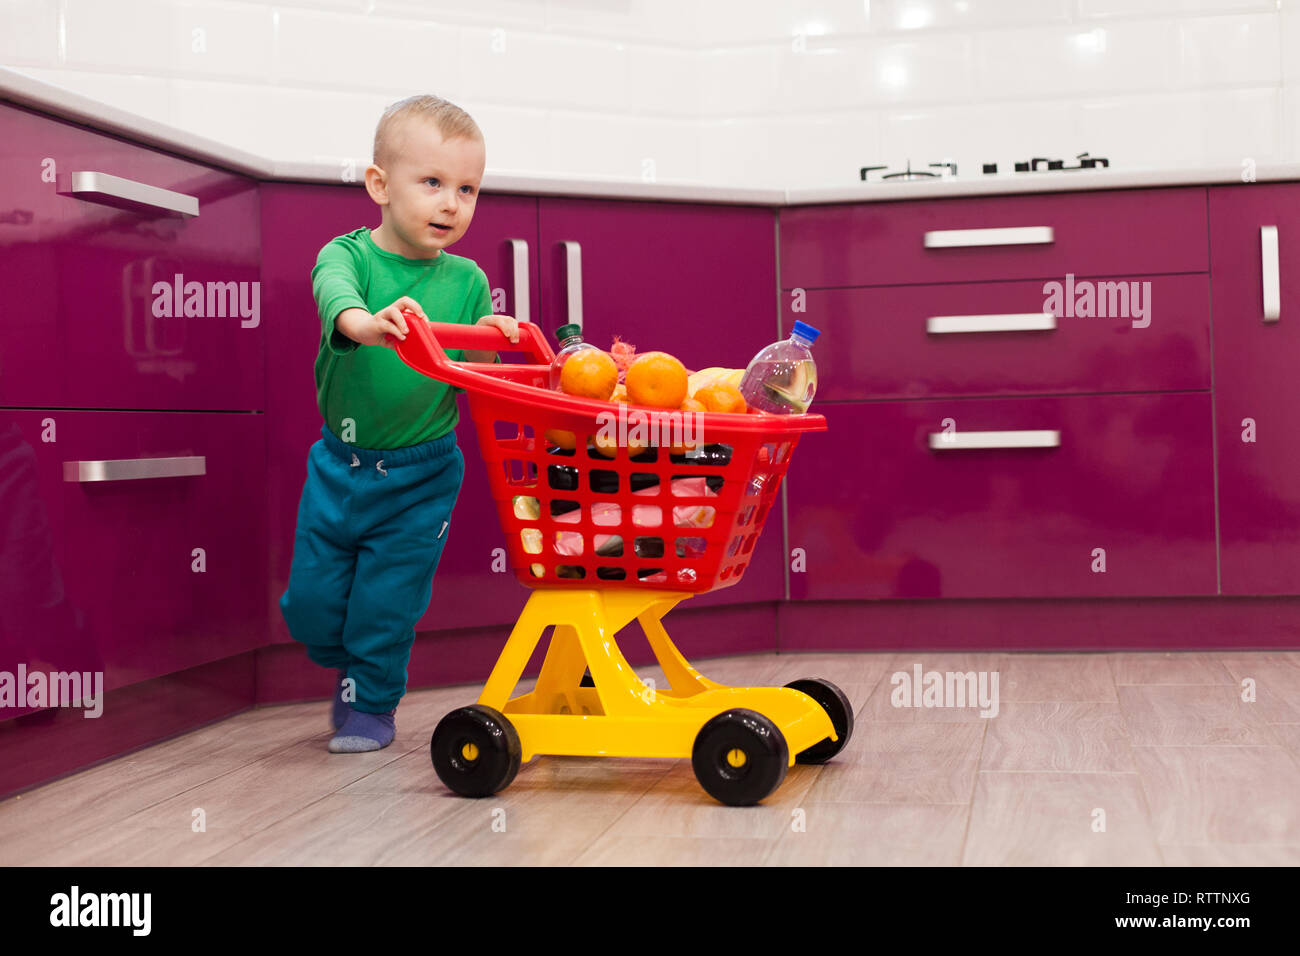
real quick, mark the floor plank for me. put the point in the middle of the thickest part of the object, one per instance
(1052, 819)
(1071, 736)
(1221, 794)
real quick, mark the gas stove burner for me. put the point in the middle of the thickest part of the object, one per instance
(1051, 165)
(908, 173)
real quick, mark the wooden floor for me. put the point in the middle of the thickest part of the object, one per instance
(1185, 772)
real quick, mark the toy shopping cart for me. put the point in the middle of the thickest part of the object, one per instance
(614, 513)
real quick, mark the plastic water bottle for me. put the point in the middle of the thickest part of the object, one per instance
(782, 378)
(570, 339)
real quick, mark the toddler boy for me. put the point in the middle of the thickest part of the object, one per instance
(385, 475)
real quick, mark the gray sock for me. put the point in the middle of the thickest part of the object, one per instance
(363, 732)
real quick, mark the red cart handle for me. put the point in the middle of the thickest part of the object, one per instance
(424, 349)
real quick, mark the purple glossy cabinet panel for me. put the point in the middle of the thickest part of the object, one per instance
(696, 281)
(297, 221)
(882, 515)
(875, 342)
(1257, 388)
(52, 743)
(134, 577)
(1102, 234)
(31, 370)
(474, 585)
(40, 625)
(108, 276)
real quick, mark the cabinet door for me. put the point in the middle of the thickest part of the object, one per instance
(166, 570)
(31, 366)
(151, 308)
(297, 221)
(696, 281)
(40, 627)
(881, 512)
(1257, 389)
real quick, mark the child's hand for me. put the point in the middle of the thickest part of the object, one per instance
(386, 327)
(506, 323)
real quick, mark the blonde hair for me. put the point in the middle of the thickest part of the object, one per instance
(452, 122)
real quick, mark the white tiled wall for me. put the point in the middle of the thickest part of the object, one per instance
(738, 92)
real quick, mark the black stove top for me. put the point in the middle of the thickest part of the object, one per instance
(1035, 165)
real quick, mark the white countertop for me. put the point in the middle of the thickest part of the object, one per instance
(27, 91)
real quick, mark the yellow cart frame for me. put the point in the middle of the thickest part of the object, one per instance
(622, 715)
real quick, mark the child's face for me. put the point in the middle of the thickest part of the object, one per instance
(431, 186)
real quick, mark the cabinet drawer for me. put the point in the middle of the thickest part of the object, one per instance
(1125, 232)
(130, 562)
(971, 338)
(97, 282)
(882, 514)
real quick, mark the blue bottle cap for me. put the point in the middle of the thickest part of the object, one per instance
(804, 330)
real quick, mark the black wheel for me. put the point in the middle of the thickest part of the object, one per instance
(740, 757)
(837, 707)
(475, 751)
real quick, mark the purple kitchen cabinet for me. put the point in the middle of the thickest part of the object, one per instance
(1104, 234)
(920, 341)
(134, 576)
(474, 584)
(297, 221)
(106, 328)
(696, 281)
(31, 370)
(880, 513)
(1255, 267)
(40, 625)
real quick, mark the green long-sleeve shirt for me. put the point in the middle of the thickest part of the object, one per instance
(390, 404)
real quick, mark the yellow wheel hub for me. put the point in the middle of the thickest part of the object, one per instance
(736, 757)
(469, 751)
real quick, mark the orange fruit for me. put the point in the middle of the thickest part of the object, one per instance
(721, 398)
(656, 379)
(561, 438)
(590, 373)
(604, 446)
(690, 406)
(609, 446)
(620, 393)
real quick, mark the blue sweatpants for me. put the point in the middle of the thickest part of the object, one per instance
(371, 527)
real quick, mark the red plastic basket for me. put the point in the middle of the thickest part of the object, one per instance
(654, 526)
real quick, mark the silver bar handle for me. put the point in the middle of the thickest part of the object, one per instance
(951, 441)
(1010, 322)
(1270, 274)
(519, 247)
(128, 469)
(1012, 236)
(114, 190)
(573, 280)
